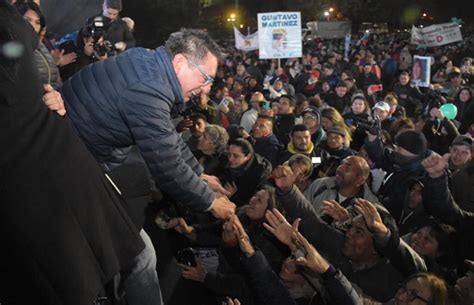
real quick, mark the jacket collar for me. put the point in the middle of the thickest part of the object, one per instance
(163, 58)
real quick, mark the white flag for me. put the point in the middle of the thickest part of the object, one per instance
(245, 43)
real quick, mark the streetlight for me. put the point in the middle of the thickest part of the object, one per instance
(424, 15)
(326, 13)
(331, 9)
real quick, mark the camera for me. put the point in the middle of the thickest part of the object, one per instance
(97, 27)
(434, 99)
(374, 127)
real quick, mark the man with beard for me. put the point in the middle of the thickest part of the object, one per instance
(354, 252)
(349, 183)
(300, 143)
(401, 163)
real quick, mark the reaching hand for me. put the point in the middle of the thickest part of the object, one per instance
(335, 210)
(371, 216)
(53, 100)
(197, 273)
(185, 124)
(244, 240)
(63, 59)
(312, 260)
(222, 207)
(231, 188)
(284, 177)
(214, 183)
(279, 226)
(229, 235)
(435, 165)
(180, 225)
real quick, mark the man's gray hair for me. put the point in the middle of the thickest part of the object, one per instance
(193, 44)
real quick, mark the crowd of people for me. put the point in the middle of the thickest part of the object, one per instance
(317, 180)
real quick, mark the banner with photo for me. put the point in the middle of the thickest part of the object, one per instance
(245, 43)
(421, 71)
(279, 35)
(436, 35)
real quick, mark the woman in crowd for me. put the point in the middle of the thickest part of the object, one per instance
(358, 114)
(213, 147)
(48, 70)
(245, 170)
(330, 118)
(229, 279)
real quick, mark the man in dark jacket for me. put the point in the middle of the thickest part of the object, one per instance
(401, 163)
(117, 31)
(136, 107)
(408, 96)
(63, 230)
(266, 143)
(339, 99)
(134, 98)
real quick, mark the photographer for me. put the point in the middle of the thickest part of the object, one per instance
(88, 44)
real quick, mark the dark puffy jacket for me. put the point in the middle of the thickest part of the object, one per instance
(48, 71)
(247, 178)
(130, 99)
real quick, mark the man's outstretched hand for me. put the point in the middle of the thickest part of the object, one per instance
(435, 165)
(222, 207)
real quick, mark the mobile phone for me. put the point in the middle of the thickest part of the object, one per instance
(186, 257)
(375, 88)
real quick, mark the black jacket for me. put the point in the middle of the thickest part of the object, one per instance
(63, 230)
(394, 190)
(269, 148)
(248, 178)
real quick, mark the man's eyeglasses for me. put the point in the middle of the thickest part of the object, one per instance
(207, 78)
(411, 294)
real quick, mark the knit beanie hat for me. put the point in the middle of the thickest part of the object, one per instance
(413, 141)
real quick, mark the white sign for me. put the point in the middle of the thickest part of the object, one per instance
(436, 35)
(245, 43)
(420, 73)
(279, 35)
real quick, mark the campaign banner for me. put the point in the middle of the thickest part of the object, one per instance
(421, 71)
(279, 35)
(245, 42)
(436, 35)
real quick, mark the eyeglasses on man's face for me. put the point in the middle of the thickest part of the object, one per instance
(207, 78)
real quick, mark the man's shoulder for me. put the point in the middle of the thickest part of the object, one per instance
(322, 184)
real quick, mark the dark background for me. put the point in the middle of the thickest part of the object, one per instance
(155, 19)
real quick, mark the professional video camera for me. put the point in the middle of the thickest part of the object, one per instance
(434, 99)
(374, 127)
(97, 26)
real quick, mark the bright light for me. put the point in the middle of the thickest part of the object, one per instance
(241, 26)
(228, 19)
(232, 16)
(326, 13)
(421, 26)
(424, 14)
(331, 9)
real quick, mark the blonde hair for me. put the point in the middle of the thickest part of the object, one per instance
(336, 118)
